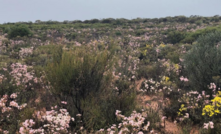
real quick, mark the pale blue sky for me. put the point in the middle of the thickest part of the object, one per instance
(60, 10)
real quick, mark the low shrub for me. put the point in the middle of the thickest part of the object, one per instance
(19, 30)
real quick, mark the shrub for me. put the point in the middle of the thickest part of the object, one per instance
(118, 33)
(173, 56)
(71, 36)
(83, 78)
(7, 85)
(191, 37)
(203, 61)
(20, 30)
(150, 71)
(139, 32)
(175, 37)
(11, 106)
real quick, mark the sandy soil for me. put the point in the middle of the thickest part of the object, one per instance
(142, 99)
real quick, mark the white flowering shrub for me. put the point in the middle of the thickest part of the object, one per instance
(9, 112)
(24, 52)
(136, 122)
(54, 121)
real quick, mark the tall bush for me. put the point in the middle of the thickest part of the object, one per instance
(83, 78)
(175, 37)
(203, 62)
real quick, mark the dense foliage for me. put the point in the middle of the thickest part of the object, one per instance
(203, 61)
(158, 75)
(18, 30)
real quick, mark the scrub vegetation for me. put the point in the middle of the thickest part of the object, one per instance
(111, 76)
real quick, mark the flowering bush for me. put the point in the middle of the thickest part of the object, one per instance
(24, 52)
(92, 70)
(9, 112)
(54, 121)
(136, 122)
(86, 82)
(214, 108)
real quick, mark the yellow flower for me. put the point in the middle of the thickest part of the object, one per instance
(217, 101)
(217, 111)
(182, 108)
(219, 93)
(162, 45)
(144, 52)
(148, 46)
(213, 108)
(208, 110)
(179, 114)
(176, 66)
(167, 79)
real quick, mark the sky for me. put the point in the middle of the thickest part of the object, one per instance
(60, 10)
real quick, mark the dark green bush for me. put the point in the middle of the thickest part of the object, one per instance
(139, 32)
(118, 33)
(188, 39)
(19, 30)
(150, 71)
(7, 85)
(175, 37)
(193, 36)
(203, 61)
(71, 36)
(173, 56)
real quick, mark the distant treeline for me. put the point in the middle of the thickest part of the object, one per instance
(120, 21)
(178, 29)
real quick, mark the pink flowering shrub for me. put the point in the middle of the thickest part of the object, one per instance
(91, 70)
(21, 75)
(24, 52)
(136, 122)
(25, 79)
(13, 102)
(54, 121)
(9, 112)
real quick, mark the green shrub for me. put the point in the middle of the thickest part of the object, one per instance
(175, 37)
(118, 33)
(83, 78)
(150, 71)
(19, 30)
(139, 32)
(173, 56)
(193, 36)
(203, 61)
(71, 36)
(188, 39)
(7, 85)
